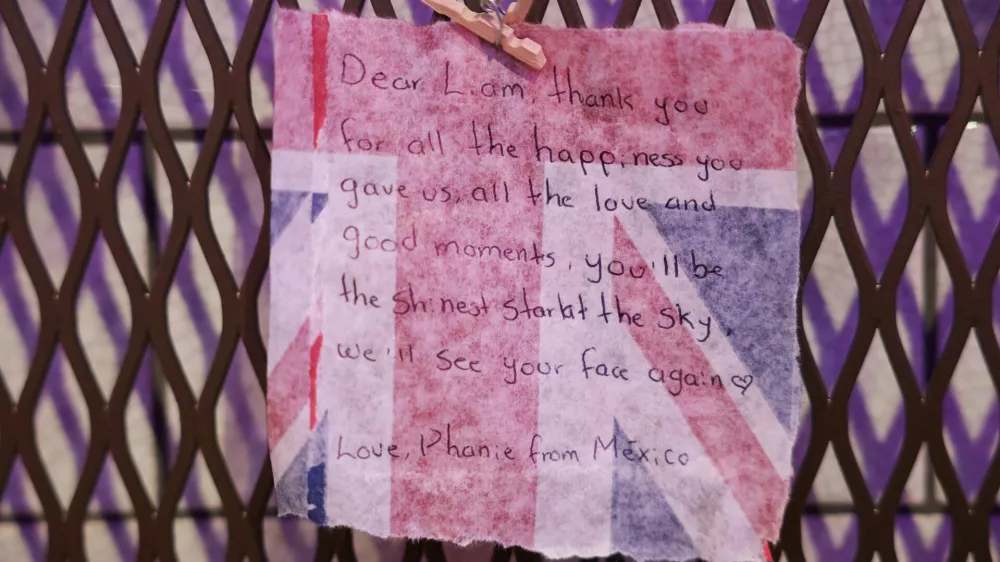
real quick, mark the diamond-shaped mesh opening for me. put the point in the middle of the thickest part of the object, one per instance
(194, 311)
(879, 195)
(833, 64)
(19, 318)
(145, 428)
(974, 193)
(922, 293)
(61, 416)
(103, 316)
(185, 77)
(93, 84)
(971, 418)
(877, 419)
(920, 316)
(830, 306)
(240, 422)
(930, 63)
(236, 205)
(136, 204)
(53, 209)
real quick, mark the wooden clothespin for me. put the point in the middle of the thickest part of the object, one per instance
(495, 28)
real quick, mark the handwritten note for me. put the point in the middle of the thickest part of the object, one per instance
(551, 309)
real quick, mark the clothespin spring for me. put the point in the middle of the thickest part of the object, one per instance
(493, 7)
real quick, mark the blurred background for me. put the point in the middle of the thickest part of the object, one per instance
(834, 88)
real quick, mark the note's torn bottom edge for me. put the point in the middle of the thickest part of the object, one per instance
(557, 553)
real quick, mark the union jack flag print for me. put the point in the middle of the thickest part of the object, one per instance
(551, 309)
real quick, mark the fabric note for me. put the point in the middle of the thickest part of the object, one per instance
(550, 309)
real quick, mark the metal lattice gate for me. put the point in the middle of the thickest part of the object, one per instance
(180, 182)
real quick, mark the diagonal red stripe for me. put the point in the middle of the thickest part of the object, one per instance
(710, 411)
(288, 386)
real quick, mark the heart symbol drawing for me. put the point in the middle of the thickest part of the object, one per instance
(743, 382)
